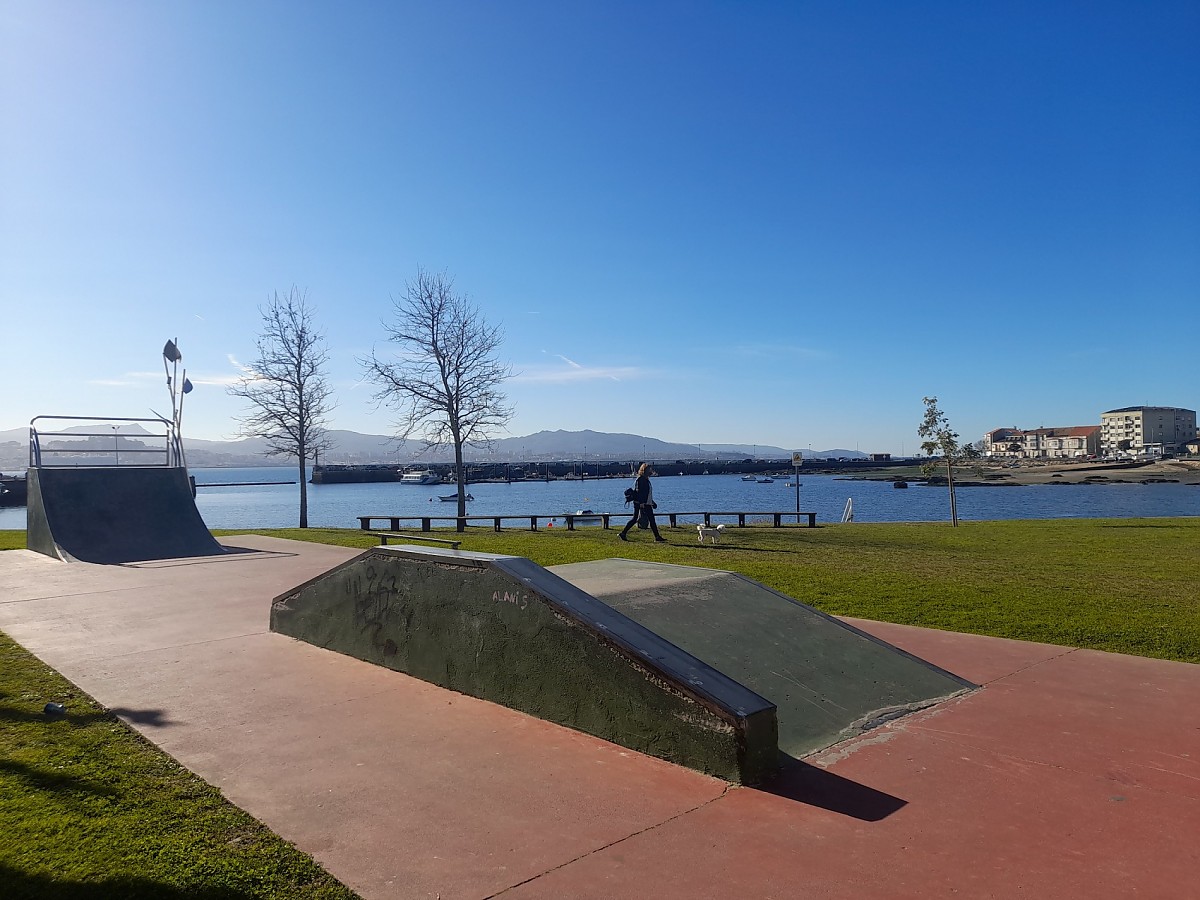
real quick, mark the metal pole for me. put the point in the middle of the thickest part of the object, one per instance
(797, 477)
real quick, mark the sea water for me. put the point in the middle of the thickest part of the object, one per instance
(338, 505)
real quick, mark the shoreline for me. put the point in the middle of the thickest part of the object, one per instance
(1167, 471)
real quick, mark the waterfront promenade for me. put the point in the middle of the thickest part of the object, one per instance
(1070, 773)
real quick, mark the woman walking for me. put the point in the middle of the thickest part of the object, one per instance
(643, 504)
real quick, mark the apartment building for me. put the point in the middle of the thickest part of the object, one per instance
(1071, 442)
(1145, 430)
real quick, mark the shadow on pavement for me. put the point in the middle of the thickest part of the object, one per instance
(814, 786)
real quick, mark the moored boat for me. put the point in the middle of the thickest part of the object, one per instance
(13, 490)
(420, 476)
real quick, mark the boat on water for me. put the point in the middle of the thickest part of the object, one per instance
(450, 498)
(766, 479)
(13, 490)
(748, 478)
(585, 515)
(899, 484)
(421, 476)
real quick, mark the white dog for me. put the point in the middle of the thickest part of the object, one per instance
(708, 531)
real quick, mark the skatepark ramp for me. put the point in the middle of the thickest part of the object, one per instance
(116, 515)
(85, 504)
(504, 629)
(828, 680)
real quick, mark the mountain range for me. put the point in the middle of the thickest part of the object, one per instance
(353, 447)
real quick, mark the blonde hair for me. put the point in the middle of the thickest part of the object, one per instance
(643, 470)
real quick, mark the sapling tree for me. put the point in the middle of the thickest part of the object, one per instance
(942, 446)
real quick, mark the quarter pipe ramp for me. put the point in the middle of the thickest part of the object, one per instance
(113, 515)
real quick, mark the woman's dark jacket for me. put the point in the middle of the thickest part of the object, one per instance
(641, 490)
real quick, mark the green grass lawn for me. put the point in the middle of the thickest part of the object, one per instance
(88, 809)
(1123, 585)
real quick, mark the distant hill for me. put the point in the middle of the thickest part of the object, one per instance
(353, 447)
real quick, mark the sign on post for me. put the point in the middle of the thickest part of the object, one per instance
(797, 460)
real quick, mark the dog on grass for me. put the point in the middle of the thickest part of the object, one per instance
(709, 531)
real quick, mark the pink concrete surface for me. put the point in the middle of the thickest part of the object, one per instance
(1069, 774)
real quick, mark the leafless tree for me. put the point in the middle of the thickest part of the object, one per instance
(444, 381)
(286, 386)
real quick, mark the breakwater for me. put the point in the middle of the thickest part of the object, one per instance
(379, 473)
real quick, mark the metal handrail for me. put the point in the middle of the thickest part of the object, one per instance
(172, 449)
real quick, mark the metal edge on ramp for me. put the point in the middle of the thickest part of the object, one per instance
(504, 629)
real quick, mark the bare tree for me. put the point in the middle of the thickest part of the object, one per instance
(445, 382)
(286, 386)
(942, 440)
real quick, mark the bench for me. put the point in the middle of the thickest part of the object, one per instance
(385, 535)
(776, 517)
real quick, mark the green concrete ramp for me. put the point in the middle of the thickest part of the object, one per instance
(506, 630)
(829, 681)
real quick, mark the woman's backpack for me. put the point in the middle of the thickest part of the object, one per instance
(630, 495)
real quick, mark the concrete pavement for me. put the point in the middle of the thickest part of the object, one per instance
(1070, 773)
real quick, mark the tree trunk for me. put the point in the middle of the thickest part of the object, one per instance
(953, 505)
(303, 496)
(302, 452)
(461, 479)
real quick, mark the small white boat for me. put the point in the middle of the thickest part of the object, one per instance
(585, 515)
(450, 498)
(766, 479)
(748, 478)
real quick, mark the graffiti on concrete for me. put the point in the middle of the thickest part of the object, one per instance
(518, 599)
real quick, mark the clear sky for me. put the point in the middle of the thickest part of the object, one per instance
(756, 222)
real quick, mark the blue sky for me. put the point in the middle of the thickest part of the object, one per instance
(775, 223)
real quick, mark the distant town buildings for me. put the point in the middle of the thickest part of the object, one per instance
(1127, 432)
(1071, 442)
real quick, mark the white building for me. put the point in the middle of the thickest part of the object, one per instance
(1072, 442)
(1146, 430)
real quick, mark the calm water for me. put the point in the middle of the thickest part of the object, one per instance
(337, 505)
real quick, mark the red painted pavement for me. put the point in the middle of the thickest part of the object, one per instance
(1069, 774)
